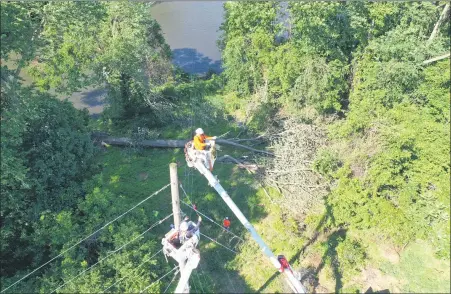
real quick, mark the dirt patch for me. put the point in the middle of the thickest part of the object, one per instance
(374, 278)
(389, 253)
(321, 289)
(313, 260)
(358, 170)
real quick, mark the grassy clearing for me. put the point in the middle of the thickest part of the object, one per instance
(419, 271)
(132, 174)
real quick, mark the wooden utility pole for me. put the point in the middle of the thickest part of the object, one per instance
(175, 194)
(183, 287)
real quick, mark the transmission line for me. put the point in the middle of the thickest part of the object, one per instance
(112, 252)
(147, 260)
(213, 240)
(78, 243)
(158, 279)
(210, 219)
(175, 275)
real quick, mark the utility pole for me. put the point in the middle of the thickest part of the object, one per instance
(177, 215)
(175, 194)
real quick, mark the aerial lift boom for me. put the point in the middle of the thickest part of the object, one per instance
(196, 162)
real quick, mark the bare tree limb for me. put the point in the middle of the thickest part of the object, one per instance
(290, 170)
(220, 136)
(251, 168)
(227, 142)
(443, 16)
(267, 194)
(249, 139)
(436, 58)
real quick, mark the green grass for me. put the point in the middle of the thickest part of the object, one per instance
(419, 270)
(130, 175)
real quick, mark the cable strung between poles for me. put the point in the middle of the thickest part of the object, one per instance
(158, 279)
(175, 275)
(219, 243)
(196, 210)
(147, 260)
(111, 253)
(78, 243)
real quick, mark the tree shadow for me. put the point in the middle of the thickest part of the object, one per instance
(191, 61)
(331, 256)
(309, 272)
(370, 290)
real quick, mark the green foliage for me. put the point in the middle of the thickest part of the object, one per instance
(352, 257)
(333, 29)
(326, 163)
(46, 154)
(320, 84)
(405, 188)
(248, 37)
(20, 25)
(117, 44)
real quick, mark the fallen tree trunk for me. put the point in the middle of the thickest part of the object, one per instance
(171, 144)
(145, 143)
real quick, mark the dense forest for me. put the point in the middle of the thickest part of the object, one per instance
(353, 99)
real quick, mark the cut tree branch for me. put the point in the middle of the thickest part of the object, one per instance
(227, 142)
(436, 58)
(443, 16)
(250, 167)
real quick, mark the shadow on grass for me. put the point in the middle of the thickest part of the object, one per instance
(370, 290)
(331, 256)
(327, 216)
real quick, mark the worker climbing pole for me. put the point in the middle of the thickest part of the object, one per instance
(181, 242)
(281, 264)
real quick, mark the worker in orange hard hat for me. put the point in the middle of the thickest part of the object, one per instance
(199, 140)
(226, 223)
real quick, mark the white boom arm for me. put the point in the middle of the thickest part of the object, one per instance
(294, 283)
(187, 256)
(191, 264)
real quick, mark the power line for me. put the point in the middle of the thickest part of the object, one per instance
(196, 210)
(112, 252)
(200, 283)
(148, 259)
(175, 275)
(158, 279)
(219, 243)
(227, 273)
(202, 274)
(62, 253)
